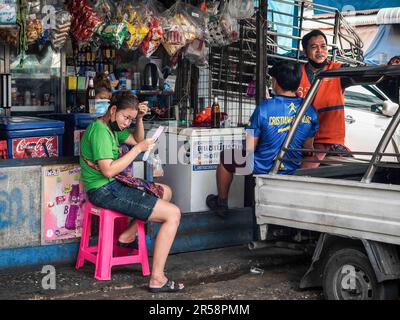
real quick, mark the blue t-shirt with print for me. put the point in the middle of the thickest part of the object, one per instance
(270, 122)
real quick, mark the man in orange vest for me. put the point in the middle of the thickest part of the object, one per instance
(329, 100)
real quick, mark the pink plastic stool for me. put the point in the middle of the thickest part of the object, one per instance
(103, 255)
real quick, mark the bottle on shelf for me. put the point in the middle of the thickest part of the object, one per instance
(90, 97)
(215, 114)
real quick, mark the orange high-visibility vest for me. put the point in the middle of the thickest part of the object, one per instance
(329, 103)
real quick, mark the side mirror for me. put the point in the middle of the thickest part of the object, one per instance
(389, 108)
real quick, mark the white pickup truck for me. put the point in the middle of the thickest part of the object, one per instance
(347, 214)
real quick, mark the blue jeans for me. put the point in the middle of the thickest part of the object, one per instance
(129, 201)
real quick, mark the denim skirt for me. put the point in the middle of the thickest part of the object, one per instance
(129, 201)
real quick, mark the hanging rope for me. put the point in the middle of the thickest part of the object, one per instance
(21, 21)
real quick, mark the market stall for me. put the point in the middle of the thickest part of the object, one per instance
(163, 52)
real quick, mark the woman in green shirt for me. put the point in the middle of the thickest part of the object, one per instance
(100, 164)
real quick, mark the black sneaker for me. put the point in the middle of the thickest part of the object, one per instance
(215, 204)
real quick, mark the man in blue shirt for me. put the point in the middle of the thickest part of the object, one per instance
(265, 133)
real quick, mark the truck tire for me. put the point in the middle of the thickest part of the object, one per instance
(348, 275)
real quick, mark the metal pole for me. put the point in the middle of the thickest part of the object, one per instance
(335, 36)
(300, 27)
(306, 102)
(261, 52)
(240, 115)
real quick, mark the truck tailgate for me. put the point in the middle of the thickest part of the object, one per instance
(349, 208)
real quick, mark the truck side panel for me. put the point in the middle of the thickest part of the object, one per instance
(348, 208)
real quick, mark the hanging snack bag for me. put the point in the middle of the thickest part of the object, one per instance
(196, 53)
(153, 39)
(241, 9)
(84, 20)
(154, 23)
(113, 33)
(60, 34)
(137, 29)
(34, 28)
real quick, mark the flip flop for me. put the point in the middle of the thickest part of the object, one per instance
(131, 245)
(169, 286)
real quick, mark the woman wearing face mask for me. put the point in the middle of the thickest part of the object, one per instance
(103, 92)
(100, 164)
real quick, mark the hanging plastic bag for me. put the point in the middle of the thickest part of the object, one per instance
(155, 161)
(241, 9)
(178, 29)
(196, 53)
(137, 29)
(60, 34)
(154, 23)
(84, 20)
(229, 25)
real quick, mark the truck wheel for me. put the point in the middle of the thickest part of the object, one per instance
(348, 275)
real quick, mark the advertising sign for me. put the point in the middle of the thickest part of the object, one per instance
(206, 151)
(35, 147)
(63, 206)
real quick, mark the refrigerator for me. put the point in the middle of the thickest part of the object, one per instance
(31, 137)
(37, 84)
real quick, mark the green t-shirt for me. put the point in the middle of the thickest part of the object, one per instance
(99, 142)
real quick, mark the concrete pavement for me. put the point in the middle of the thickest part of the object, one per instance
(192, 268)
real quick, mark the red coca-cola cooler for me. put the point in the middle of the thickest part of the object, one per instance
(31, 137)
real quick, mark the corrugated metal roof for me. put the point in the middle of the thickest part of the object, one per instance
(388, 16)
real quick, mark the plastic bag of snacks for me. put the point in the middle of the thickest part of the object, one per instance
(84, 20)
(179, 28)
(154, 23)
(198, 17)
(223, 30)
(113, 33)
(34, 29)
(241, 9)
(60, 34)
(230, 27)
(137, 29)
(196, 53)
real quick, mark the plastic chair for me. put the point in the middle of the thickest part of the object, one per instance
(106, 253)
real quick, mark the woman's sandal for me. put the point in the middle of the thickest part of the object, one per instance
(131, 245)
(169, 286)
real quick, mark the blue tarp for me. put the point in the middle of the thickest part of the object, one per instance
(345, 5)
(385, 45)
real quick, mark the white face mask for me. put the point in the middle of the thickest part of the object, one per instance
(101, 106)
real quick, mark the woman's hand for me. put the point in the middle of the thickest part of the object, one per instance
(146, 144)
(142, 109)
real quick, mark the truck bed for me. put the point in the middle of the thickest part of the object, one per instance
(332, 199)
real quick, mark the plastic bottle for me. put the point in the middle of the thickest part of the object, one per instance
(27, 98)
(215, 114)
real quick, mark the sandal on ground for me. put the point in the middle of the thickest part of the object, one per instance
(131, 245)
(169, 286)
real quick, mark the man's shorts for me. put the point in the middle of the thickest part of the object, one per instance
(237, 161)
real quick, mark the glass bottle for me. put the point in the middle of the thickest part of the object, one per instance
(215, 114)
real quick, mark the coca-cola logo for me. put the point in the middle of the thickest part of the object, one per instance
(37, 147)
